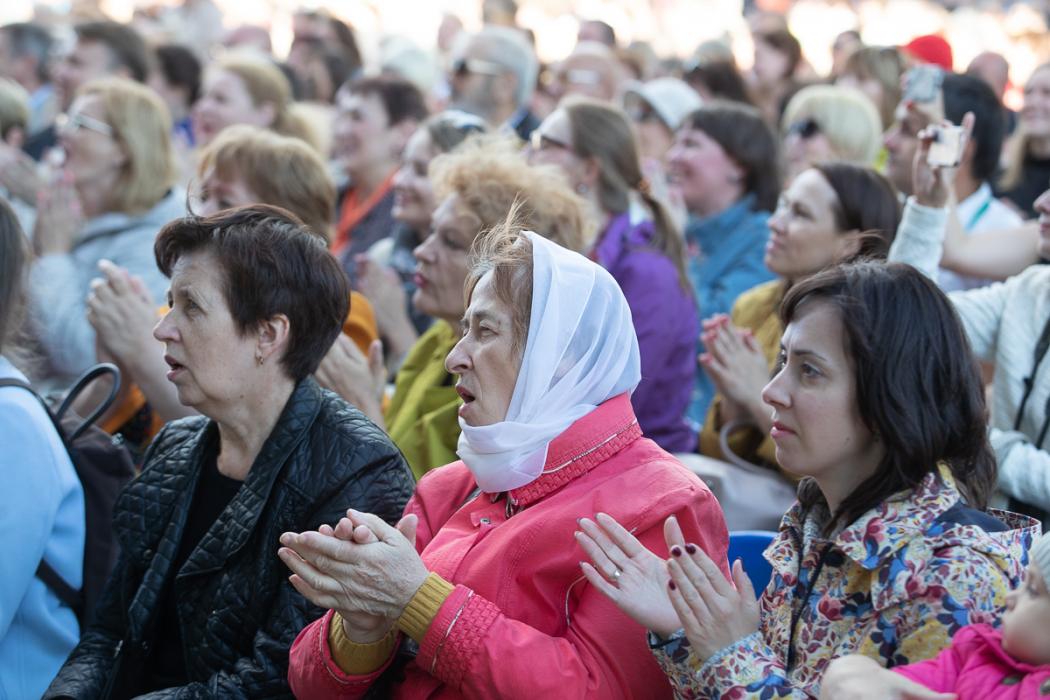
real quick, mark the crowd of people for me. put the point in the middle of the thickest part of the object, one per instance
(464, 388)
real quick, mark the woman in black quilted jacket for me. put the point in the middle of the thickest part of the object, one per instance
(199, 604)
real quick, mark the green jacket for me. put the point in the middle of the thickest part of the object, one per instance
(422, 418)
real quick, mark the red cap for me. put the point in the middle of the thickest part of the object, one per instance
(930, 48)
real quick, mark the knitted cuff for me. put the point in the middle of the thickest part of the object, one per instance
(358, 659)
(424, 606)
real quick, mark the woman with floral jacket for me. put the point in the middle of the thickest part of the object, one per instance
(888, 551)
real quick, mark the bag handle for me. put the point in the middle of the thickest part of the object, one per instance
(78, 387)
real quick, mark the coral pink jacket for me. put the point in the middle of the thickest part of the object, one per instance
(522, 621)
(976, 667)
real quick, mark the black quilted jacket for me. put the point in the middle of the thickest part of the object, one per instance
(238, 613)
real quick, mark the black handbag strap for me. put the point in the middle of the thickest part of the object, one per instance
(1041, 347)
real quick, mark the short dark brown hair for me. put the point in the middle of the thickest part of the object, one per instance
(401, 99)
(124, 43)
(746, 138)
(271, 264)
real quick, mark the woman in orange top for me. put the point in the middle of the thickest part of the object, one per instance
(243, 165)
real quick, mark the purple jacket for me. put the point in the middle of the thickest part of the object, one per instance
(667, 325)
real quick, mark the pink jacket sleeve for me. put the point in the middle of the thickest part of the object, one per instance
(942, 671)
(312, 672)
(472, 647)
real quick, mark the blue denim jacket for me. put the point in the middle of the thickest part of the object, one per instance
(725, 257)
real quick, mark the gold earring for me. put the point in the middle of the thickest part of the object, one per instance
(259, 360)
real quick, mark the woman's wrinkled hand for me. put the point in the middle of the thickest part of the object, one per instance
(364, 569)
(933, 185)
(858, 677)
(358, 379)
(123, 315)
(713, 613)
(59, 217)
(736, 365)
(627, 573)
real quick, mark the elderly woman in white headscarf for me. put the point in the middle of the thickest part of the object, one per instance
(479, 590)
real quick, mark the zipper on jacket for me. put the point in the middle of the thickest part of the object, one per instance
(797, 615)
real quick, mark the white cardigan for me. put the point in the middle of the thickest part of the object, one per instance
(1003, 322)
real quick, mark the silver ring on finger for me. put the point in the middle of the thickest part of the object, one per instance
(616, 575)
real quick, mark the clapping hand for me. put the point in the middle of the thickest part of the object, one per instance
(364, 569)
(122, 313)
(59, 217)
(630, 575)
(737, 367)
(358, 379)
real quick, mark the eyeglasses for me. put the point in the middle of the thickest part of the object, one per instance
(72, 123)
(463, 122)
(462, 67)
(805, 129)
(541, 142)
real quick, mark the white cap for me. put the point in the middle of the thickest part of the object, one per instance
(670, 98)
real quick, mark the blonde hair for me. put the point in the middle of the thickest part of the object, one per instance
(266, 84)
(142, 126)
(489, 174)
(1016, 150)
(280, 170)
(884, 64)
(846, 116)
(14, 106)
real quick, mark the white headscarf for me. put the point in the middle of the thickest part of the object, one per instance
(581, 351)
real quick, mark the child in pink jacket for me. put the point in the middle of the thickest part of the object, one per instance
(982, 663)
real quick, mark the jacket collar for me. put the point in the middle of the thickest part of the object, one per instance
(584, 445)
(237, 521)
(710, 230)
(902, 529)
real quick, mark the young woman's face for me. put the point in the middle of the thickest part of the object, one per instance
(804, 237)
(1026, 622)
(486, 357)
(817, 426)
(1035, 115)
(442, 261)
(707, 177)
(225, 101)
(413, 193)
(771, 65)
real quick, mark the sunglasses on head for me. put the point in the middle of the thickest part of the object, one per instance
(805, 129)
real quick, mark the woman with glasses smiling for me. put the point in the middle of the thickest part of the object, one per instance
(111, 195)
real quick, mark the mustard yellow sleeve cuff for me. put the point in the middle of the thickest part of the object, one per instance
(424, 606)
(358, 659)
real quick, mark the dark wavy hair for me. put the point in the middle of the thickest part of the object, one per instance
(918, 384)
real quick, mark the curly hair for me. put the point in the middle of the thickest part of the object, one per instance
(489, 174)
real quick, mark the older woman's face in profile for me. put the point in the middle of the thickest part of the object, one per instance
(486, 358)
(442, 261)
(225, 101)
(210, 361)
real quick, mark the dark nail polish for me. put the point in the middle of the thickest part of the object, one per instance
(670, 584)
(676, 551)
(691, 548)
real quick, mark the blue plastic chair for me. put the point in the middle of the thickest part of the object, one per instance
(748, 545)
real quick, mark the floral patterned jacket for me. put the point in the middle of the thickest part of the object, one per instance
(895, 585)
